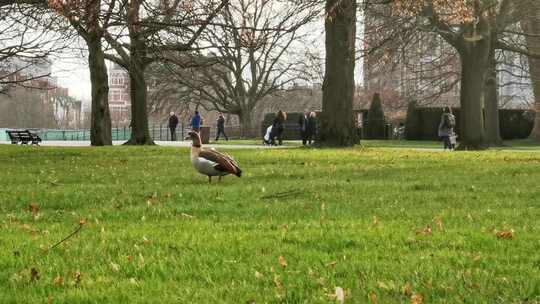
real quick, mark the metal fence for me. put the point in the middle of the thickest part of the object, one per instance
(159, 132)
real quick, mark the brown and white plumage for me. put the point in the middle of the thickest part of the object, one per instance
(211, 162)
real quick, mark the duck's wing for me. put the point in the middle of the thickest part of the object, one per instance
(224, 162)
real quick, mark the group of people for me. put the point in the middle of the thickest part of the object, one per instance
(307, 123)
(308, 127)
(196, 122)
(275, 130)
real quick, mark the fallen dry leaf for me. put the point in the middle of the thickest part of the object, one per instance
(340, 295)
(78, 277)
(145, 240)
(258, 275)
(407, 289)
(34, 208)
(425, 231)
(34, 274)
(417, 299)
(382, 285)
(505, 234)
(115, 266)
(373, 297)
(331, 264)
(58, 281)
(375, 220)
(282, 261)
(438, 222)
(277, 282)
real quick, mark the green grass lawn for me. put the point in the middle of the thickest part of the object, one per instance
(384, 225)
(521, 145)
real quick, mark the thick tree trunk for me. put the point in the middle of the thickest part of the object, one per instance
(491, 103)
(474, 66)
(337, 119)
(531, 25)
(100, 127)
(472, 119)
(246, 124)
(140, 134)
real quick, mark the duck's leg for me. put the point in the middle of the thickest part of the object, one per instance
(209, 179)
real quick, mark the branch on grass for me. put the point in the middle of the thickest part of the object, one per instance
(76, 231)
(282, 194)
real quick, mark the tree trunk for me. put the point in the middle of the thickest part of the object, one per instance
(139, 91)
(140, 134)
(474, 65)
(337, 119)
(531, 25)
(491, 103)
(246, 124)
(100, 127)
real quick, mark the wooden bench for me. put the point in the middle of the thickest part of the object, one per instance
(24, 137)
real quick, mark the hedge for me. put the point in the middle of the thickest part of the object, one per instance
(424, 124)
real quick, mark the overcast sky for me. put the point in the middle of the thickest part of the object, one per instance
(74, 75)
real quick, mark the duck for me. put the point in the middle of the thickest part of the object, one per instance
(211, 162)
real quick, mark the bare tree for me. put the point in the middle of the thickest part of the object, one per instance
(27, 38)
(146, 30)
(90, 19)
(474, 29)
(250, 50)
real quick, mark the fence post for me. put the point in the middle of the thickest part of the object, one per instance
(182, 125)
(160, 131)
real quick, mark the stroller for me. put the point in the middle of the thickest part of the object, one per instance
(267, 139)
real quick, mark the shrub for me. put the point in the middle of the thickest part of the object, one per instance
(375, 124)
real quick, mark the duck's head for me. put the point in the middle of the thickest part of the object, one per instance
(195, 138)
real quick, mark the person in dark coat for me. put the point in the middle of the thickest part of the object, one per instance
(311, 129)
(173, 123)
(277, 128)
(221, 127)
(446, 128)
(303, 124)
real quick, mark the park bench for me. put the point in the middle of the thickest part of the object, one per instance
(24, 137)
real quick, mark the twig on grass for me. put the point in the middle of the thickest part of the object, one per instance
(282, 194)
(81, 224)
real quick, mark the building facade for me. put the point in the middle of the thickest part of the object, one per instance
(119, 97)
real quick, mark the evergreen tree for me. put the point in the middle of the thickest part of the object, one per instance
(375, 128)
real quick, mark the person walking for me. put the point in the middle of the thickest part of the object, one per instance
(311, 129)
(277, 128)
(196, 121)
(173, 123)
(303, 123)
(221, 127)
(446, 128)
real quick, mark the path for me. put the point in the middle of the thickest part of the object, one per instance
(186, 144)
